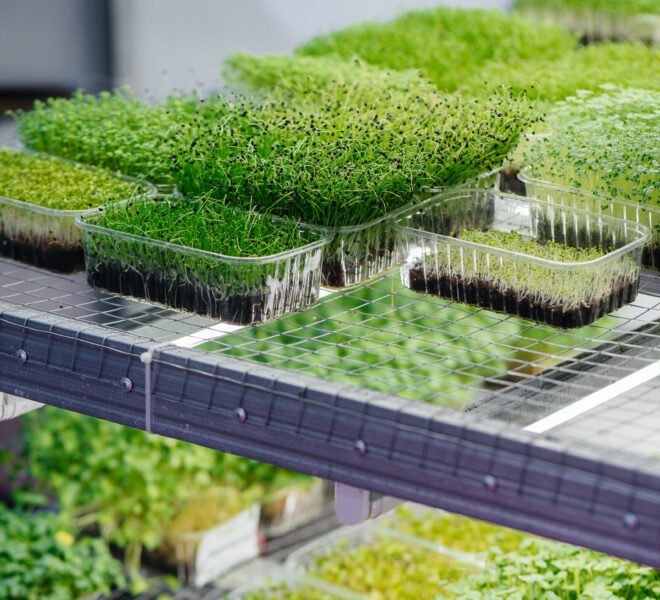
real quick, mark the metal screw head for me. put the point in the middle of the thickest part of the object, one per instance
(240, 414)
(21, 356)
(126, 384)
(361, 447)
(631, 521)
(490, 483)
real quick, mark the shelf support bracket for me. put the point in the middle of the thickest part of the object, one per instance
(354, 505)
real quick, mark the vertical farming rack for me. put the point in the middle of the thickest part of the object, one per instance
(549, 431)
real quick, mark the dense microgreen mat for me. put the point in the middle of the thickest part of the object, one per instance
(615, 6)
(515, 242)
(540, 569)
(346, 154)
(604, 142)
(300, 76)
(453, 531)
(115, 130)
(388, 568)
(41, 559)
(587, 68)
(384, 337)
(447, 45)
(205, 225)
(57, 184)
(130, 483)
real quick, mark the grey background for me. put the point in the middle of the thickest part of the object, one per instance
(161, 45)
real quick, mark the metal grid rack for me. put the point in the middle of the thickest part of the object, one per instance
(553, 432)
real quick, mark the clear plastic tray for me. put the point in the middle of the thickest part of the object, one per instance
(286, 585)
(234, 289)
(595, 24)
(293, 507)
(646, 215)
(564, 295)
(47, 237)
(358, 253)
(304, 562)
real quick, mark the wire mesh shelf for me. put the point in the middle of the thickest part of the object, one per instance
(547, 430)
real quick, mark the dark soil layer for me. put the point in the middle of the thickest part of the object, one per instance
(53, 257)
(509, 182)
(651, 256)
(181, 293)
(482, 293)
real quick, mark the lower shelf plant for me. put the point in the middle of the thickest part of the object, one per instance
(40, 198)
(205, 257)
(42, 558)
(555, 265)
(540, 569)
(131, 485)
(372, 563)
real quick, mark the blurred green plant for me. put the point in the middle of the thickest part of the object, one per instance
(42, 559)
(129, 483)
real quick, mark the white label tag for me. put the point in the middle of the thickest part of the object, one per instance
(227, 545)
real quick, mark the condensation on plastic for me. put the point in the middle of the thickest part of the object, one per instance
(560, 294)
(234, 289)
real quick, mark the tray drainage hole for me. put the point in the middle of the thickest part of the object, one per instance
(240, 415)
(21, 356)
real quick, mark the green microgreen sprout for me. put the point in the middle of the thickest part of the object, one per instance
(446, 45)
(57, 184)
(42, 558)
(389, 569)
(299, 76)
(331, 161)
(203, 224)
(605, 143)
(587, 68)
(114, 130)
(43, 182)
(544, 569)
(454, 532)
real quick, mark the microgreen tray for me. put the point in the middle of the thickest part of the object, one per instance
(596, 24)
(234, 289)
(563, 292)
(47, 237)
(644, 214)
(372, 562)
(285, 585)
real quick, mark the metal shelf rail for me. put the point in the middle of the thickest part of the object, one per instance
(552, 432)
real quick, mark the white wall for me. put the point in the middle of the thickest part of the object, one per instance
(163, 45)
